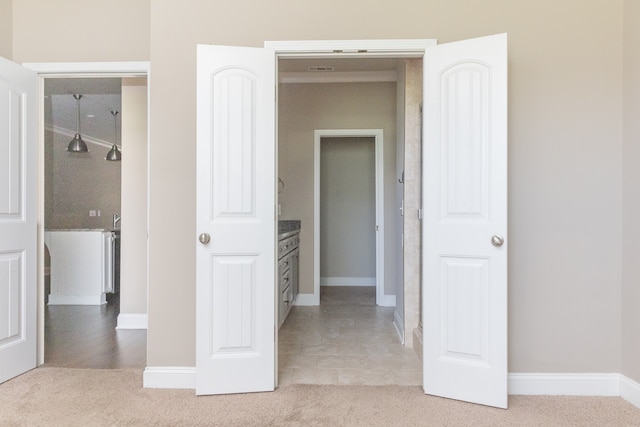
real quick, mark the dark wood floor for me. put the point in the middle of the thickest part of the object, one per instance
(85, 336)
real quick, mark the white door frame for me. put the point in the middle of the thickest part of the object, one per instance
(377, 135)
(73, 70)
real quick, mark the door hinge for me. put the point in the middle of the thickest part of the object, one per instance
(420, 213)
(377, 227)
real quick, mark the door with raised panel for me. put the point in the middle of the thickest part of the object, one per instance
(18, 211)
(235, 246)
(465, 223)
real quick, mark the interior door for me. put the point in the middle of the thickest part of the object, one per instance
(235, 255)
(18, 212)
(465, 224)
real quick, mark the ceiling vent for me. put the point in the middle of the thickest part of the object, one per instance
(320, 68)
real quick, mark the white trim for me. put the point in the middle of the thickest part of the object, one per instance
(307, 300)
(586, 384)
(630, 390)
(377, 135)
(89, 69)
(339, 77)
(345, 48)
(174, 377)
(387, 301)
(132, 321)
(399, 325)
(95, 299)
(583, 384)
(347, 281)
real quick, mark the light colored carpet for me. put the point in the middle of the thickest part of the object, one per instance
(93, 397)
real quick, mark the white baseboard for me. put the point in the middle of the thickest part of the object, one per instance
(177, 377)
(132, 321)
(307, 299)
(95, 299)
(347, 281)
(564, 384)
(388, 301)
(399, 325)
(630, 390)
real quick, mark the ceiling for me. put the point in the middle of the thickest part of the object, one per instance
(99, 97)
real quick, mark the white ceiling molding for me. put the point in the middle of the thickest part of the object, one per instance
(72, 133)
(339, 77)
(90, 69)
(398, 47)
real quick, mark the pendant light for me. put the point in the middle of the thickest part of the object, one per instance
(114, 155)
(77, 145)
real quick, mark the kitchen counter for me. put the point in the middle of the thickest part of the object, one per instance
(82, 265)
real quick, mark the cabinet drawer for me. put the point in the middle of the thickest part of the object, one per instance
(287, 245)
(286, 301)
(284, 265)
(285, 279)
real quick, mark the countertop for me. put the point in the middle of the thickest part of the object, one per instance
(288, 226)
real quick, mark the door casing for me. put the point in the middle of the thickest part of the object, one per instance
(378, 136)
(72, 70)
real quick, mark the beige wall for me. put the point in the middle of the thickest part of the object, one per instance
(565, 156)
(133, 270)
(77, 183)
(631, 194)
(306, 107)
(76, 30)
(6, 29)
(565, 133)
(347, 208)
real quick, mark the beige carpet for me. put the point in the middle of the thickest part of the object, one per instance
(92, 397)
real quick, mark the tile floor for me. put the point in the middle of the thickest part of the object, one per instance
(344, 342)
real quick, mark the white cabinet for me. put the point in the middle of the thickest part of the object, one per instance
(82, 266)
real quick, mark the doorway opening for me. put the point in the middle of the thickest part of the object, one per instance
(324, 342)
(87, 200)
(347, 220)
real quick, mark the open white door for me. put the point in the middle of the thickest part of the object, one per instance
(18, 218)
(236, 277)
(465, 223)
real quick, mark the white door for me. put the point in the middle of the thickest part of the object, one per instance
(465, 223)
(236, 277)
(18, 211)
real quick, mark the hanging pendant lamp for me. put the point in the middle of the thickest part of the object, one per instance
(114, 155)
(77, 145)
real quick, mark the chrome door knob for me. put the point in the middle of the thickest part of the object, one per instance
(497, 240)
(204, 238)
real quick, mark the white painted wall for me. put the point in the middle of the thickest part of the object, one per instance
(347, 208)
